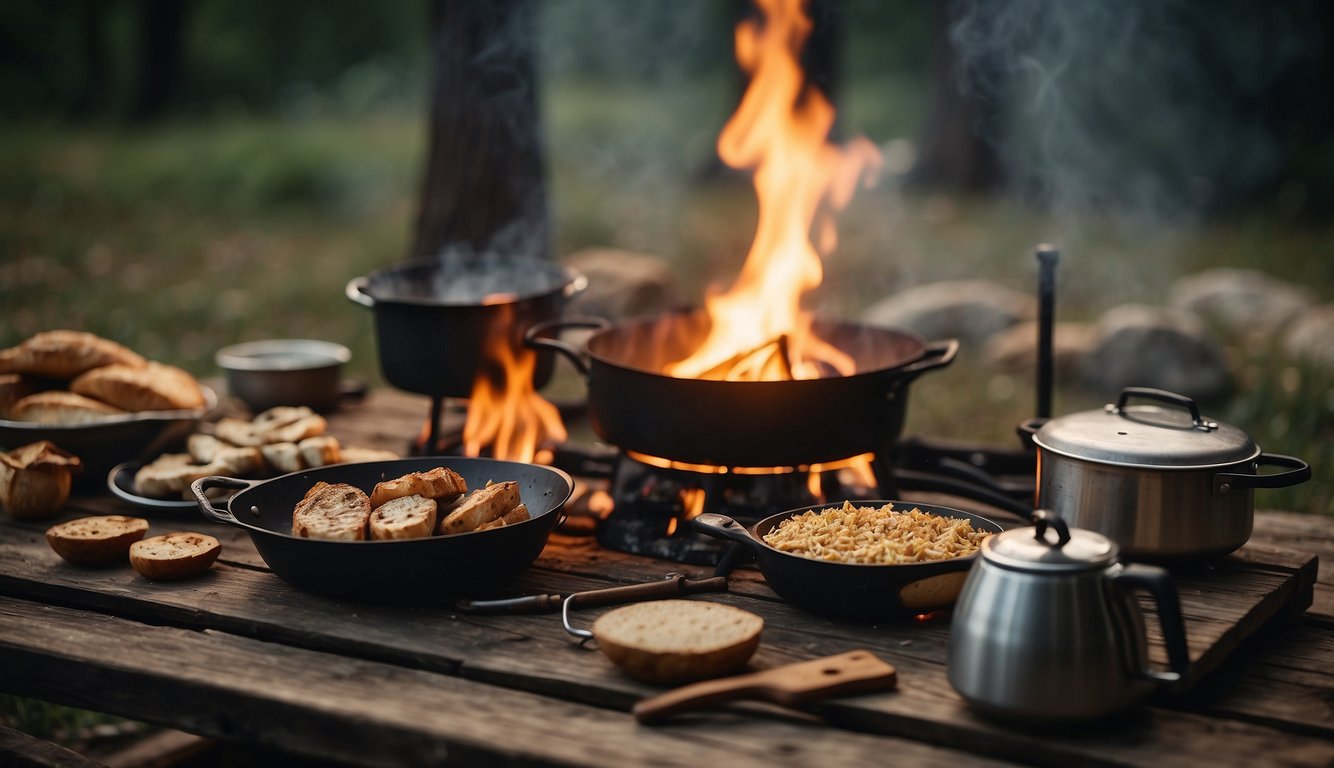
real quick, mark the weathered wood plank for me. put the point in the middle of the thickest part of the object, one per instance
(19, 750)
(1303, 533)
(335, 708)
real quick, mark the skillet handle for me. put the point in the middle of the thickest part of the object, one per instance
(1299, 472)
(533, 338)
(201, 485)
(724, 527)
(938, 354)
(356, 295)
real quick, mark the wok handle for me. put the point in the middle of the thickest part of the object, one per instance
(356, 294)
(724, 527)
(533, 338)
(1158, 583)
(203, 484)
(1299, 472)
(937, 355)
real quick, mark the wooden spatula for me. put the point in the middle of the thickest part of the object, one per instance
(789, 685)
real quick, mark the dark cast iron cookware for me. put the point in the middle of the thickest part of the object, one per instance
(847, 590)
(459, 565)
(634, 405)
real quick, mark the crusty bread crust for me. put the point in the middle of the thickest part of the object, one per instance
(173, 556)
(65, 354)
(407, 517)
(481, 507)
(145, 387)
(516, 515)
(332, 511)
(438, 483)
(100, 540)
(59, 407)
(675, 641)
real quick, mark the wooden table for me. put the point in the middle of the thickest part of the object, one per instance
(240, 656)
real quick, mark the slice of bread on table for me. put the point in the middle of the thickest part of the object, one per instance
(407, 517)
(99, 540)
(174, 556)
(675, 641)
(332, 511)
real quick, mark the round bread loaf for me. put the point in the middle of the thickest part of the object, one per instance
(96, 540)
(173, 556)
(675, 641)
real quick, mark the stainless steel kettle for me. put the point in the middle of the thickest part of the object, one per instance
(1047, 626)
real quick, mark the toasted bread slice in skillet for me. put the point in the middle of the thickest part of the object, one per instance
(332, 511)
(481, 506)
(407, 517)
(441, 484)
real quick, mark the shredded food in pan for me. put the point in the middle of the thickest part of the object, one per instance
(878, 536)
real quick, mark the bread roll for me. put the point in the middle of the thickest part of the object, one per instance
(407, 517)
(174, 555)
(146, 387)
(676, 641)
(35, 479)
(284, 457)
(332, 511)
(319, 451)
(439, 483)
(65, 354)
(57, 407)
(481, 506)
(13, 388)
(96, 540)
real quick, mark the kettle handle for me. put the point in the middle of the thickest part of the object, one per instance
(1158, 582)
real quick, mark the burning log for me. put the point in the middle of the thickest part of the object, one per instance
(753, 364)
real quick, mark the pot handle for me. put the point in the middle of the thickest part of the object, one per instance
(356, 293)
(201, 485)
(937, 355)
(533, 338)
(724, 527)
(1158, 583)
(1299, 472)
(1162, 396)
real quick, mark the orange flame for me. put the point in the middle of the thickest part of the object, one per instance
(759, 331)
(505, 413)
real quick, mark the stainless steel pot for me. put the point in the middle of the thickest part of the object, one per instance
(1050, 628)
(1164, 483)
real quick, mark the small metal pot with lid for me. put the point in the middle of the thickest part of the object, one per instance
(1047, 626)
(1164, 483)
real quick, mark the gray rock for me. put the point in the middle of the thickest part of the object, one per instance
(968, 310)
(622, 284)
(1015, 349)
(1310, 338)
(1240, 301)
(1142, 346)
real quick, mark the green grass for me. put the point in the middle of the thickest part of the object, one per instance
(186, 237)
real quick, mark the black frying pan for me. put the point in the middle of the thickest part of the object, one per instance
(846, 590)
(391, 571)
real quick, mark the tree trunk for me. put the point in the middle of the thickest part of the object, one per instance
(485, 184)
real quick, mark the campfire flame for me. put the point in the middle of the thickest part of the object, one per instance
(758, 329)
(505, 413)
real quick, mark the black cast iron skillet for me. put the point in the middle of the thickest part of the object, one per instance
(459, 565)
(852, 591)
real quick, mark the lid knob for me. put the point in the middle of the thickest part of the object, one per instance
(1042, 520)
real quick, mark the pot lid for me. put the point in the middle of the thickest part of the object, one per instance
(1172, 435)
(1049, 546)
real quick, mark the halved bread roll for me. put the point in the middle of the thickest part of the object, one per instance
(174, 555)
(675, 641)
(170, 475)
(97, 540)
(60, 407)
(481, 506)
(284, 457)
(295, 432)
(238, 432)
(203, 448)
(147, 387)
(439, 483)
(319, 451)
(65, 354)
(516, 515)
(407, 517)
(332, 511)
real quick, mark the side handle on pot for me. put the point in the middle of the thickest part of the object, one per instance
(356, 292)
(1158, 583)
(203, 484)
(938, 354)
(536, 337)
(1299, 472)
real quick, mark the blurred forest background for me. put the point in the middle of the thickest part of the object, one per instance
(182, 175)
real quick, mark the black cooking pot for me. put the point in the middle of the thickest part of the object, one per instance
(851, 590)
(434, 319)
(635, 406)
(463, 564)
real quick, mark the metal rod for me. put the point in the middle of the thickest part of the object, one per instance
(437, 406)
(1047, 256)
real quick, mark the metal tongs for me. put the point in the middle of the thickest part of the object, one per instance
(674, 585)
